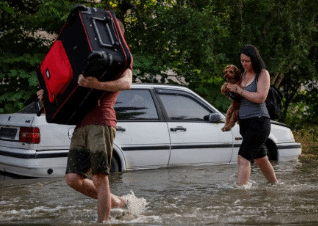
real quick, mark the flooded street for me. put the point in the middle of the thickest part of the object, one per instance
(204, 195)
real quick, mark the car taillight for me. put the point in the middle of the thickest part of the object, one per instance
(29, 135)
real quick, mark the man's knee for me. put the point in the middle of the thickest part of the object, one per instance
(72, 179)
(100, 180)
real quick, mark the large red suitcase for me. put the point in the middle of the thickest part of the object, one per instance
(90, 43)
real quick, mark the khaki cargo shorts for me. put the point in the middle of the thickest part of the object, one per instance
(91, 149)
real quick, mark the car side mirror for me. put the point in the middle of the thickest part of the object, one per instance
(214, 118)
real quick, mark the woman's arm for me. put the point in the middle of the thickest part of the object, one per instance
(122, 83)
(258, 97)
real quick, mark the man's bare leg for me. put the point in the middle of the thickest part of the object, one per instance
(101, 183)
(87, 187)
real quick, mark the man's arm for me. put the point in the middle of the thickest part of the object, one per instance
(122, 83)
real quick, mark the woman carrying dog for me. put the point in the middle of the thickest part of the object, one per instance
(254, 119)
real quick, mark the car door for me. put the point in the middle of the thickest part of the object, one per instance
(194, 140)
(142, 133)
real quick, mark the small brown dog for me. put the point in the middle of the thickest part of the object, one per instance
(232, 75)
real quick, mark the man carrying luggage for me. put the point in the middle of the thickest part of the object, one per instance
(92, 145)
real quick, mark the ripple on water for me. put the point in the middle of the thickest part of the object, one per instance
(186, 195)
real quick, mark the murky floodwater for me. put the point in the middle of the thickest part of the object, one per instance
(202, 195)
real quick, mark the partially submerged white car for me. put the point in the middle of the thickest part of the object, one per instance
(158, 126)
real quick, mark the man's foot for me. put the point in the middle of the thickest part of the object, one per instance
(119, 202)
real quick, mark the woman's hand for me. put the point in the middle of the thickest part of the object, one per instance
(234, 88)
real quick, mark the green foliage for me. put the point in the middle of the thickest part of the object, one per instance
(21, 50)
(183, 40)
(307, 135)
(303, 111)
(18, 80)
(285, 32)
(192, 40)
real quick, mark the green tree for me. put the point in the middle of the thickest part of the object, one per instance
(184, 38)
(22, 49)
(191, 39)
(23, 45)
(17, 57)
(284, 32)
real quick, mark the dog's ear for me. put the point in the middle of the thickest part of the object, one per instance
(237, 72)
(226, 76)
(224, 73)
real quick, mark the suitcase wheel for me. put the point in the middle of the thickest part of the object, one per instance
(97, 60)
(96, 55)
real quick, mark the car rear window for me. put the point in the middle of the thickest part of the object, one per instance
(29, 109)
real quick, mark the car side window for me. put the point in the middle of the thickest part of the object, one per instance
(135, 105)
(183, 107)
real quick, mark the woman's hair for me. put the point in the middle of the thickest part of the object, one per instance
(257, 61)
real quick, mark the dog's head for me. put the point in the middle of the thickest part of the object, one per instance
(232, 74)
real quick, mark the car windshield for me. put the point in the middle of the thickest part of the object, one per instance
(29, 109)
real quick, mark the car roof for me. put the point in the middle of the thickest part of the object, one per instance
(158, 86)
(167, 86)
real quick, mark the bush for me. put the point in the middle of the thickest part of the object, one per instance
(307, 136)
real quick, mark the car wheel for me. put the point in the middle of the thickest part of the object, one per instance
(114, 166)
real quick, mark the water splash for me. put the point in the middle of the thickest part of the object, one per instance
(135, 208)
(136, 205)
(245, 186)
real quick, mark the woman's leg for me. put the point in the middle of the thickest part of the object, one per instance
(244, 171)
(267, 169)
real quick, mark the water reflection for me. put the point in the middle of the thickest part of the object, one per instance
(187, 195)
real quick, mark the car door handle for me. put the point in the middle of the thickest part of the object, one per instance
(70, 133)
(119, 128)
(178, 128)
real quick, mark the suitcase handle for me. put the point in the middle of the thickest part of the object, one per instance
(114, 43)
(75, 11)
(82, 8)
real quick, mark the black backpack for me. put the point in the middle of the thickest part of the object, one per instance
(273, 101)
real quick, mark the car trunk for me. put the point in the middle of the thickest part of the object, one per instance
(16, 130)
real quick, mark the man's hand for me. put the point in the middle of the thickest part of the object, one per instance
(122, 83)
(88, 82)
